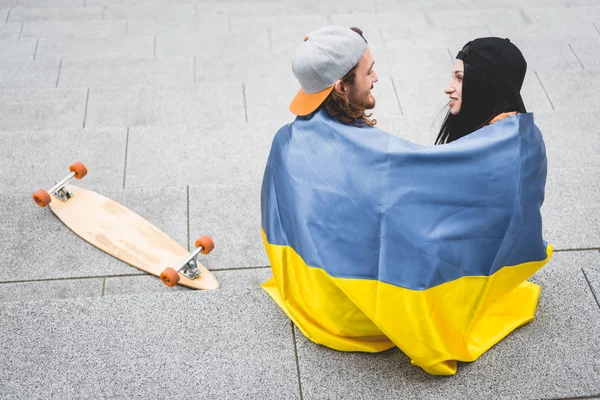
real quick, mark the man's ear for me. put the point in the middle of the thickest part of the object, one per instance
(339, 86)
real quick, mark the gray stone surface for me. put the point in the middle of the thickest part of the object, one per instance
(49, 290)
(219, 153)
(206, 24)
(230, 215)
(18, 50)
(586, 52)
(160, 11)
(21, 14)
(470, 17)
(592, 274)
(423, 96)
(200, 345)
(166, 106)
(74, 29)
(42, 108)
(139, 285)
(29, 74)
(127, 47)
(559, 345)
(33, 159)
(202, 45)
(269, 100)
(10, 30)
(571, 210)
(119, 72)
(573, 91)
(414, 64)
(243, 278)
(147, 284)
(399, 37)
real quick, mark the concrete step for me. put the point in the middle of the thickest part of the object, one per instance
(237, 343)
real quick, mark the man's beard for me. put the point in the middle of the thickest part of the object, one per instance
(360, 101)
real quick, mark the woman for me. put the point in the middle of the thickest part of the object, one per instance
(486, 80)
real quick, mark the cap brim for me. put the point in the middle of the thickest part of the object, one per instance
(305, 103)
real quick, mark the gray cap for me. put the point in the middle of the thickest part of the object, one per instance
(325, 56)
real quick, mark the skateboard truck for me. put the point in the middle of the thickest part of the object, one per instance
(42, 198)
(189, 268)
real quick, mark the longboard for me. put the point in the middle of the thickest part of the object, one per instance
(122, 233)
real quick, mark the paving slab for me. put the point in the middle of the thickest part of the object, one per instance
(42, 108)
(454, 39)
(414, 63)
(127, 47)
(243, 278)
(205, 24)
(561, 13)
(147, 284)
(139, 285)
(371, 22)
(573, 91)
(586, 52)
(18, 50)
(29, 74)
(166, 106)
(294, 26)
(470, 17)
(199, 345)
(9, 30)
(21, 14)
(31, 159)
(209, 153)
(424, 96)
(571, 210)
(132, 72)
(551, 357)
(74, 29)
(168, 12)
(592, 274)
(230, 215)
(50, 290)
(331, 7)
(30, 232)
(43, 3)
(269, 100)
(201, 45)
(565, 31)
(241, 8)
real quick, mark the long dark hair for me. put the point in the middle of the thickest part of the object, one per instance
(483, 98)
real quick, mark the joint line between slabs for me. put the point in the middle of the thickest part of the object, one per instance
(548, 97)
(397, 97)
(297, 361)
(591, 288)
(126, 152)
(575, 54)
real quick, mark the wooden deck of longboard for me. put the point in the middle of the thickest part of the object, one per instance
(125, 235)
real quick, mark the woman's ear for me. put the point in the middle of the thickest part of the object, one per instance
(339, 86)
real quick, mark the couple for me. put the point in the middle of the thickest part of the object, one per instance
(376, 242)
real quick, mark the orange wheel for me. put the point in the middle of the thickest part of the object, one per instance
(42, 198)
(207, 243)
(170, 277)
(79, 168)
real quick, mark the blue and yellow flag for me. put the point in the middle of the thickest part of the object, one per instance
(376, 242)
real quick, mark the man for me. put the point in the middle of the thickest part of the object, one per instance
(375, 242)
(334, 66)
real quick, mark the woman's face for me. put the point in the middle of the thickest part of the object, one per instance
(454, 89)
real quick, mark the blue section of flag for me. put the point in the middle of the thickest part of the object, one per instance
(361, 203)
